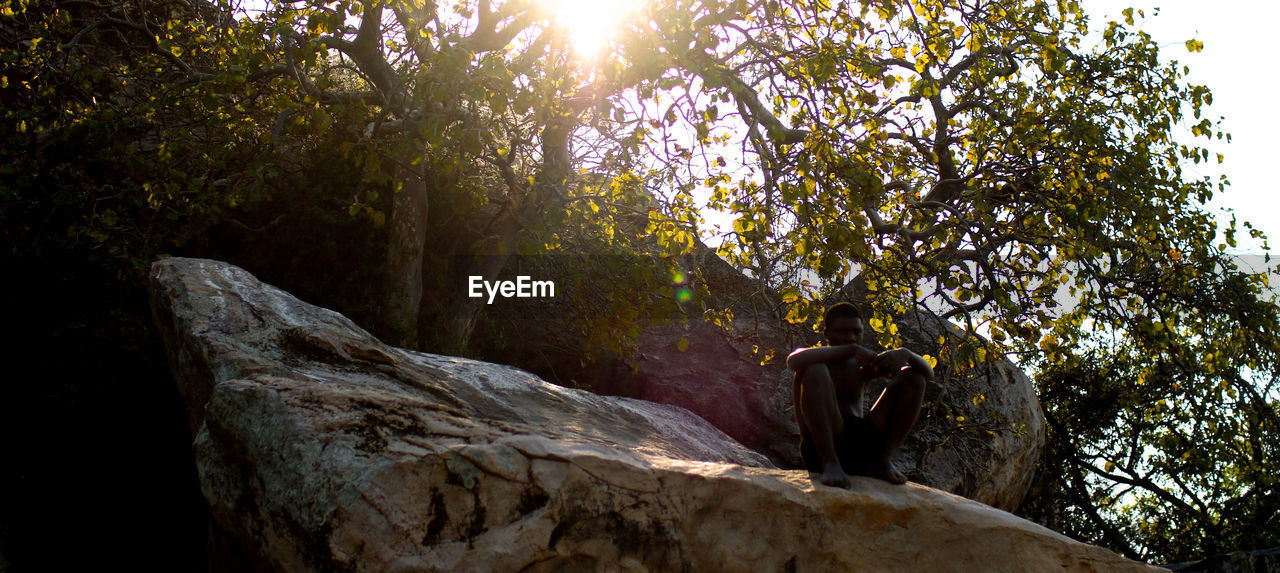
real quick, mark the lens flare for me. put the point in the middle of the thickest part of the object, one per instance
(684, 294)
(589, 24)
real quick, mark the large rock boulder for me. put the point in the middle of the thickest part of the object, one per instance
(320, 448)
(981, 431)
(979, 436)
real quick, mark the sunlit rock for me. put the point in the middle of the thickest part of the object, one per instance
(320, 448)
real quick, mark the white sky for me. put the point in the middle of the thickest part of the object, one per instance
(1236, 65)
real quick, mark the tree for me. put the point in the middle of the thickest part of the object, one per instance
(440, 88)
(1160, 430)
(978, 159)
(975, 158)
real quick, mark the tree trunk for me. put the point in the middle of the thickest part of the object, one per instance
(468, 309)
(402, 286)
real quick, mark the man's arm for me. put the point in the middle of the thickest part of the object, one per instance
(804, 357)
(891, 361)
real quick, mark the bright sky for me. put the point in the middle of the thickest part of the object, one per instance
(1238, 38)
(590, 22)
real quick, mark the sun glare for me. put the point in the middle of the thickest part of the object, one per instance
(591, 23)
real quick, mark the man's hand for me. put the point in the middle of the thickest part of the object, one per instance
(890, 361)
(863, 355)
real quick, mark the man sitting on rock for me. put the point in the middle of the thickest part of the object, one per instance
(835, 438)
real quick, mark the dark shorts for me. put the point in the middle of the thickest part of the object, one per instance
(858, 446)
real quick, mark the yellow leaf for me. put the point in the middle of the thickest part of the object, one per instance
(682, 344)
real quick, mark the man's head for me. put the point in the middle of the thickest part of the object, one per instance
(843, 324)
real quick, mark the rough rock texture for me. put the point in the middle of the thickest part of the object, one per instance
(717, 377)
(320, 448)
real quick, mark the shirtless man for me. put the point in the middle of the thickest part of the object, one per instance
(835, 438)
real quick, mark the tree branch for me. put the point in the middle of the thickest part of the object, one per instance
(715, 75)
(1147, 484)
(487, 37)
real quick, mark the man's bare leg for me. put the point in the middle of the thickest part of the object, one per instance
(817, 409)
(895, 413)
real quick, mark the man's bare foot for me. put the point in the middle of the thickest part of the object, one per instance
(834, 476)
(886, 472)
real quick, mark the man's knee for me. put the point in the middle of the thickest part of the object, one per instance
(910, 380)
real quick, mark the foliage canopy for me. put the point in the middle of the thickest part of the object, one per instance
(981, 160)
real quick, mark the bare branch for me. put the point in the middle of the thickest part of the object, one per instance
(714, 74)
(487, 36)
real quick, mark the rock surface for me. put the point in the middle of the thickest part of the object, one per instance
(319, 448)
(981, 430)
(979, 436)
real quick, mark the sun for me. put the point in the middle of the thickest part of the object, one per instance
(590, 24)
